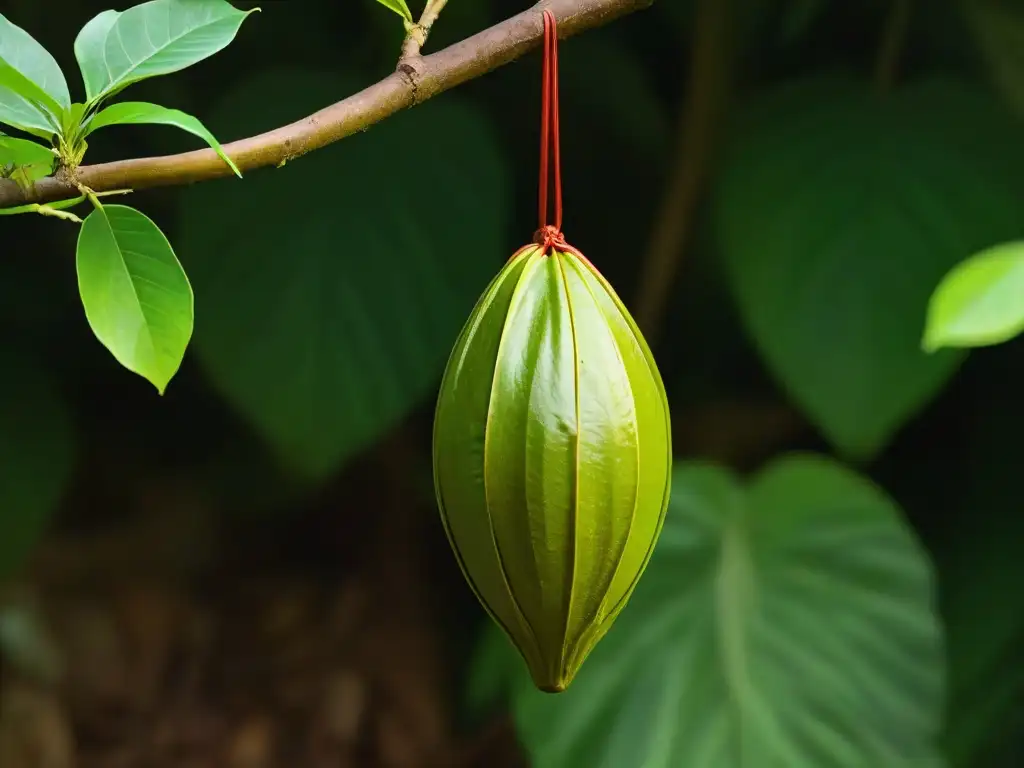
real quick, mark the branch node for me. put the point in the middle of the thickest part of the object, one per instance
(411, 74)
(419, 77)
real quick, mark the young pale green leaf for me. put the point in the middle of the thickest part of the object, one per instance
(838, 213)
(24, 161)
(71, 121)
(37, 450)
(142, 113)
(980, 301)
(788, 622)
(28, 69)
(399, 7)
(23, 152)
(116, 49)
(137, 298)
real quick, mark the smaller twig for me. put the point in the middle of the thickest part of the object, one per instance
(416, 34)
(56, 209)
(45, 210)
(894, 36)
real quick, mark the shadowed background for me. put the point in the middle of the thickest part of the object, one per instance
(250, 570)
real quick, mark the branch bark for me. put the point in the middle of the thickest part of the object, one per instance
(415, 80)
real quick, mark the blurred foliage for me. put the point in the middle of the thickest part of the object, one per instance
(330, 354)
(791, 621)
(842, 204)
(37, 454)
(803, 616)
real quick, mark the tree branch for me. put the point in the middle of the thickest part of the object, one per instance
(415, 81)
(418, 32)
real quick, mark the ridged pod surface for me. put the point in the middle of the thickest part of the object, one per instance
(552, 457)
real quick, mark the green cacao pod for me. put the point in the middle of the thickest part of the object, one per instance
(552, 456)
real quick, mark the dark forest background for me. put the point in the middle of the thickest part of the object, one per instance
(250, 571)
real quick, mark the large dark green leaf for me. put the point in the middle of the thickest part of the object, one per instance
(605, 79)
(36, 456)
(333, 289)
(790, 623)
(838, 211)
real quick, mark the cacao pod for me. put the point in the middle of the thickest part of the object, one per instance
(552, 456)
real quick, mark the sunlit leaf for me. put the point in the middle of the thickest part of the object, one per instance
(137, 298)
(838, 211)
(399, 7)
(980, 301)
(117, 48)
(142, 113)
(33, 91)
(33, 159)
(787, 623)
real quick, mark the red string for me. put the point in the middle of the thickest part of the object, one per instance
(549, 135)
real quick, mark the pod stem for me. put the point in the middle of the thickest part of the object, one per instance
(550, 233)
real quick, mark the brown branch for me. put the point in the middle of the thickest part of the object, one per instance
(418, 32)
(414, 82)
(706, 91)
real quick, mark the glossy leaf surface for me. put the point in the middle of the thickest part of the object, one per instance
(136, 296)
(143, 113)
(399, 7)
(33, 91)
(980, 301)
(118, 48)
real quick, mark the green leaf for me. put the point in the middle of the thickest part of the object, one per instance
(606, 79)
(980, 301)
(36, 456)
(71, 120)
(838, 210)
(789, 623)
(334, 288)
(33, 160)
(116, 49)
(142, 113)
(137, 298)
(399, 7)
(33, 91)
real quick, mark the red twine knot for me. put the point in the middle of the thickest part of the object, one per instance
(549, 236)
